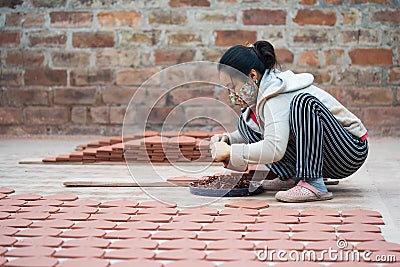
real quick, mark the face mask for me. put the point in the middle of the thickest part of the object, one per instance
(246, 96)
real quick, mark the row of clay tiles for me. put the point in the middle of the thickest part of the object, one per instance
(149, 146)
(62, 230)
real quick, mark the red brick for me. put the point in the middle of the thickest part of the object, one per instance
(315, 17)
(333, 57)
(183, 38)
(377, 117)
(215, 16)
(183, 3)
(234, 37)
(75, 96)
(64, 19)
(93, 3)
(93, 39)
(11, 77)
(46, 39)
(284, 55)
(25, 58)
(360, 37)
(138, 38)
(312, 36)
(19, 97)
(179, 95)
(172, 17)
(120, 58)
(25, 20)
(308, 2)
(351, 16)
(69, 59)
(11, 4)
(45, 77)
(117, 115)
(79, 115)
(394, 76)
(10, 115)
(309, 58)
(389, 16)
(119, 18)
(100, 115)
(172, 57)
(353, 76)
(371, 56)
(91, 77)
(135, 76)
(117, 95)
(264, 17)
(9, 38)
(46, 115)
(334, 2)
(49, 3)
(379, 2)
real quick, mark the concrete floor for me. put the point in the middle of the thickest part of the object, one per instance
(375, 186)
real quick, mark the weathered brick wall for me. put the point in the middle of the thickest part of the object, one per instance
(71, 66)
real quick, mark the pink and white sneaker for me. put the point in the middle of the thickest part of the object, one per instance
(302, 192)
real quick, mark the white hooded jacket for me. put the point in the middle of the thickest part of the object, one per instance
(276, 92)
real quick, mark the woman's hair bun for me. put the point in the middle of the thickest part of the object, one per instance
(265, 51)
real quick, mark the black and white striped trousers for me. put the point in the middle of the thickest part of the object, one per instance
(322, 147)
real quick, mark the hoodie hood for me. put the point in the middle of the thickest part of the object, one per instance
(277, 82)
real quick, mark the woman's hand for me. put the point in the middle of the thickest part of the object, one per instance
(220, 151)
(220, 138)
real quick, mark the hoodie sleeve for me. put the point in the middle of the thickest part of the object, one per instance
(276, 136)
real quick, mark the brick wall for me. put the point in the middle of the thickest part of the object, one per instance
(71, 66)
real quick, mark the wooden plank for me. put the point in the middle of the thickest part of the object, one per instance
(108, 184)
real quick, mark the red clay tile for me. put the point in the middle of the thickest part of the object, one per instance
(86, 232)
(167, 211)
(228, 226)
(236, 218)
(329, 244)
(6, 190)
(279, 212)
(200, 218)
(173, 234)
(44, 202)
(159, 218)
(280, 245)
(33, 262)
(378, 245)
(191, 263)
(313, 236)
(358, 227)
(30, 232)
(304, 227)
(10, 209)
(62, 197)
(79, 209)
(18, 223)
(362, 213)
(143, 243)
(320, 212)
(182, 243)
(4, 215)
(95, 224)
(360, 236)
(30, 252)
(12, 202)
(231, 244)
(135, 253)
(113, 217)
(94, 242)
(248, 205)
(26, 196)
(238, 211)
(56, 223)
(73, 216)
(187, 226)
(85, 263)
(87, 252)
(119, 203)
(231, 255)
(7, 241)
(119, 210)
(266, 235)
(321, 219)
(363, 220)
(181, 254)
(48, 209)
(139, 225)
(40, 241)
(81, 202)
(218, 235)
(138, 263)
(9, 231)
(299, 264)
(2, 195)
(32, 215)
(201, 210)
(3, 261)
(276, 227)
(2, 251)
(278, 219)
(125, 234)
(155, 204)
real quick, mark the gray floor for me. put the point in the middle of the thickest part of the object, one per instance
(375, 186)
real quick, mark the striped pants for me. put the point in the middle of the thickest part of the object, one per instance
(322, 147)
